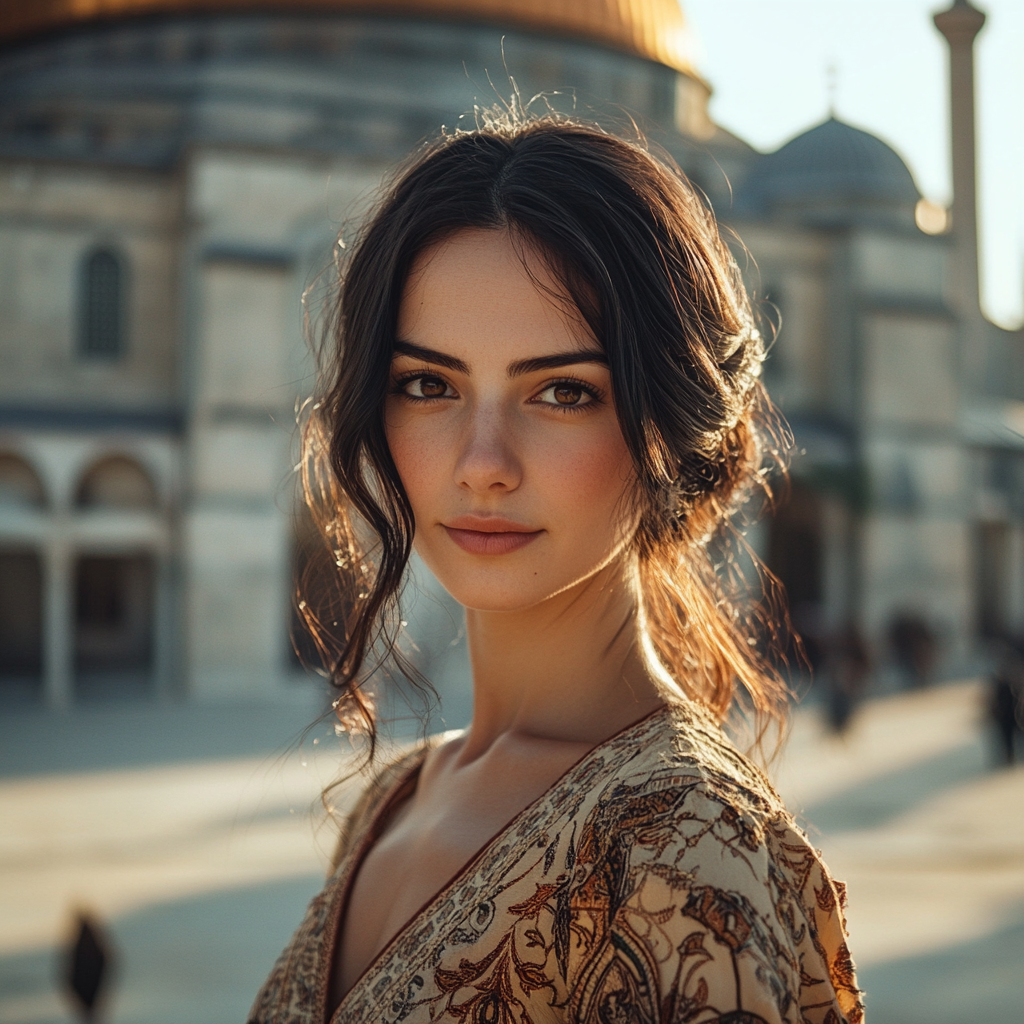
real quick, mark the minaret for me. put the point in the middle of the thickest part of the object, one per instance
(960, 24)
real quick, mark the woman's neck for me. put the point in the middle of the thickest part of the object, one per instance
(568, 669)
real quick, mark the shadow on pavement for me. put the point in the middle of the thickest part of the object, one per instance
(979, 981)
(198, 961)
(880, 800)
(35, 741)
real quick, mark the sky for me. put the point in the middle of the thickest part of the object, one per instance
(768, 60)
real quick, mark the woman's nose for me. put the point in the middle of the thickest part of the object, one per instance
(487, 459)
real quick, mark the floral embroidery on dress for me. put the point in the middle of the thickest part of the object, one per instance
(659, 880)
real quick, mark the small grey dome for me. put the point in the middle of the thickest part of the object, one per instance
(832, 171)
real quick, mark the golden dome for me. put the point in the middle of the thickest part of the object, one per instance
(654, 29)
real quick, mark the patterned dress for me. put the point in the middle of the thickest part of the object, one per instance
(659, 880)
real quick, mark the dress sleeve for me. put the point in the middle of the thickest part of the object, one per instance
(708, 917)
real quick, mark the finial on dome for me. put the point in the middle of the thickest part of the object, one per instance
(961, 22)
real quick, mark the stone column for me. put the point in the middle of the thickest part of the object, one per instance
(1015, 581)
(58, 625)
(960, 25)
(235, 539)
(164, 625)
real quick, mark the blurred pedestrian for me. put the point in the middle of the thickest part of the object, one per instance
(810, 625)
(88, 967)
(1006, 701)
(915, 648)
(848, 666)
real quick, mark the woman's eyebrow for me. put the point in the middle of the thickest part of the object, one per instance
(516, 369)
(429, 355)
(521, 366)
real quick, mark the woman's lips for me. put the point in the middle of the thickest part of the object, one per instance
(489, 537)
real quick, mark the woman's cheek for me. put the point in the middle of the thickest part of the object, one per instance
(594, 469)
(414, 451)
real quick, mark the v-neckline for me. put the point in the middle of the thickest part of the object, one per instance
(371, 834)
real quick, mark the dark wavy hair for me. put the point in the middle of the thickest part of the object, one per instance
(639, 253)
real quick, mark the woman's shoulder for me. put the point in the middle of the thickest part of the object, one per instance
(683, 752)
(689, 812)
(698, 866)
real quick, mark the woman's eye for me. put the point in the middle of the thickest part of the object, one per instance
(565, 395)
(425, 387)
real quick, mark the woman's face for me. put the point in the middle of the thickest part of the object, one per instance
(502, 426)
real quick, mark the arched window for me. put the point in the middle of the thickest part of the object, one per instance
(116, 482)
(20, 486)
(101, 305)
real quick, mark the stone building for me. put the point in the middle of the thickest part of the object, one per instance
(173, 177)
(905, 403)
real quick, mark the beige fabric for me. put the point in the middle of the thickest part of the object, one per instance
(660, 879)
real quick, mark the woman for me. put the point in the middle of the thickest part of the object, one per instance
(546, 380)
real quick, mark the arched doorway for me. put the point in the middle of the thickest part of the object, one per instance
(796, 558)
(22, 498)
(992, 563)
(114, 591)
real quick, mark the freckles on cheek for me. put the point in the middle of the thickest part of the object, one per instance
(595, 471)
(416, 455)
(402, 445)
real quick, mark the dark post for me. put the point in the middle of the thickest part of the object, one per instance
(960, 25)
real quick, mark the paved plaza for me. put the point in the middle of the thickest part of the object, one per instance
(198, 834)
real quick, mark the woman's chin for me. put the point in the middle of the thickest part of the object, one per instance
(512, 593)
(489, 599)
(498, 592)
